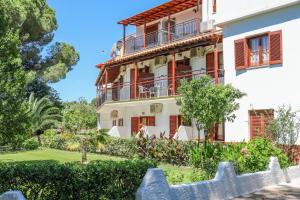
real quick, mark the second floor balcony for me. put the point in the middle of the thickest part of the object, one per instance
(168, 35)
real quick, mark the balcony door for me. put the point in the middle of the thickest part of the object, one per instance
(151, 35)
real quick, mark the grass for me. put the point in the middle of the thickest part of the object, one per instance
(52, 154)
(67, 156)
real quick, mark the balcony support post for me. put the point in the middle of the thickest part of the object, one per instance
(124, 39)
(173, 73)
(145, 38)
(199, 16)
(135, 79)
(216, 64)
(169, 29)
(106, 82)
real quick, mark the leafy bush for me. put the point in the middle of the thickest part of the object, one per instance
(52, 180)
(248, 157)
(255, 155)
(31, 144)
(174, 177)
(120, 147)
(163, 149)
(73, 146)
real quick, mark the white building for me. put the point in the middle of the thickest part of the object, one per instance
(180, 39)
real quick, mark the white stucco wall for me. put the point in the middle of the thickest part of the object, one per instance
(235, 9)
(270, 86)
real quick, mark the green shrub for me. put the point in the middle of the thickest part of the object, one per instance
(52, 180)
(255, 155)
(174, 177)
(73, 146)
(163, 149)
(31, 144)
(248, 157)
(120, 147)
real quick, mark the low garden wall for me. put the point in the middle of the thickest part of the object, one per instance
(225, 185)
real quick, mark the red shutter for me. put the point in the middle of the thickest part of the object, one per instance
(210, 58)
(134, 125)
(151, 121)
(240, 49)
(259, 120)
(275, 40)
(173, 125)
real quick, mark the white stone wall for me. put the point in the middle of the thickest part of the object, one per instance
(225, 185)
(231, 10)
(270, 86)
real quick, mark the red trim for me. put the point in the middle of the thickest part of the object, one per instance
(135, 79)
(215, 6)
(106, 82)
(173, 73)
(163, 10)
(216, 63)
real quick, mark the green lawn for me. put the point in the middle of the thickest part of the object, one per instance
(66, 156)
(52, 154)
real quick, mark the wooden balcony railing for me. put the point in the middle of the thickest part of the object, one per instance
(148, 88)
(164, 36)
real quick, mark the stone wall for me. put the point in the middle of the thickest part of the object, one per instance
(225, 185)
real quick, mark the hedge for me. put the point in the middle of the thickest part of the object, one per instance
(52, 180)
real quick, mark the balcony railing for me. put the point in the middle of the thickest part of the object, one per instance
(148, 88)
(177, 32)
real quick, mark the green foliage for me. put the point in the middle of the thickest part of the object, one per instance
(78, 116)
(43, 114)
(26, 27)
(120, 147)
(208, 104)
(14, 127)
(162, 149)
(285, 127)
(31, 144)
(174, 177)
(248, 157)
(51, 180)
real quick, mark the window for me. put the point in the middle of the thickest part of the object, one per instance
(259, 120)
(260, 50)
(114, 123)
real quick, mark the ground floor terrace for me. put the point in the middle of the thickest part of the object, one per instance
(153, 117)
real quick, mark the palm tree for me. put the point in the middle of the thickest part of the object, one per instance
(43, 114)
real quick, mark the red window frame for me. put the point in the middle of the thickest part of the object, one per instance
(242, 49)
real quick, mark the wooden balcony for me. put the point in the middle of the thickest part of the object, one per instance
(148, 86)
(188, 29)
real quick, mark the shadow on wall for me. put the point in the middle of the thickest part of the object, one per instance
(242, 71)
(263, 20)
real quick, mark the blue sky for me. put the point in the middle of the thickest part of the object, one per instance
(91, 26)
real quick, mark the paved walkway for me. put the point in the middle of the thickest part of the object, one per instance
(282, 192)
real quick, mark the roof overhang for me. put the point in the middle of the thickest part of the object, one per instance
(163, 10)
